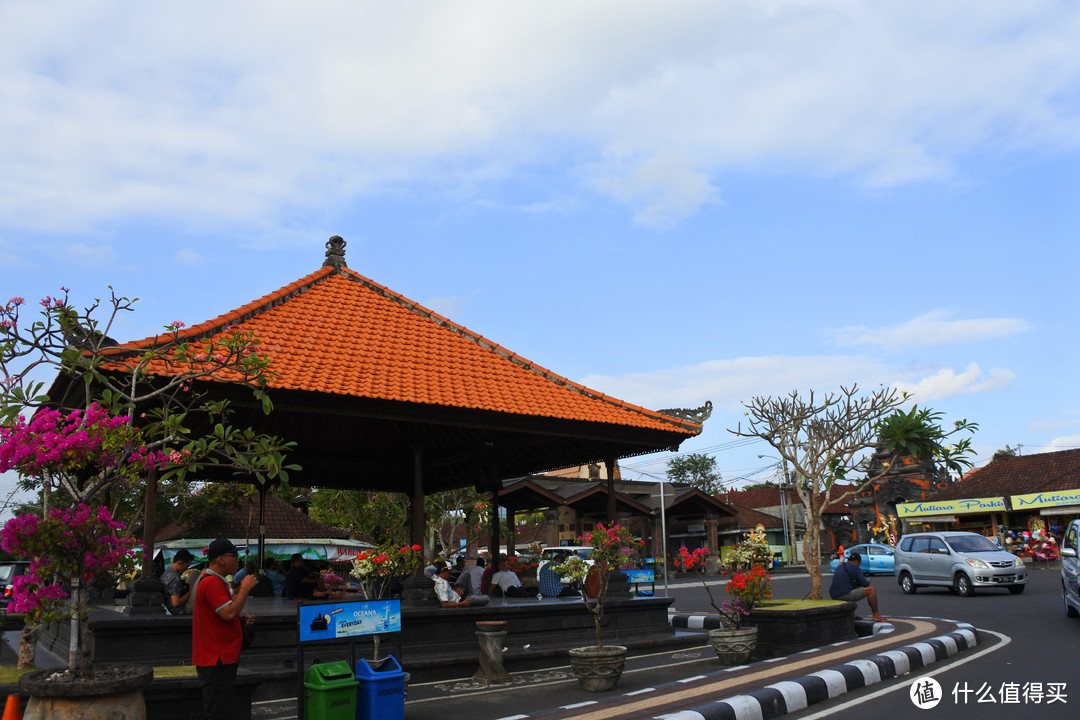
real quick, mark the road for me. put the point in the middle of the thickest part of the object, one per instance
(1026, 643)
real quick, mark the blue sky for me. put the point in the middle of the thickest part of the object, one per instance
(670, 202)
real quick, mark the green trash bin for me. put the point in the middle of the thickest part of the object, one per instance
(381, 694)
(329, 692)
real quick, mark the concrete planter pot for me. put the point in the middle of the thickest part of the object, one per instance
(115, 693)
(598, 669)
(733, 647)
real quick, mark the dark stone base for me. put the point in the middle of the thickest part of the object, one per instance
(783, 632)
(180, 698)
(435, 644)
(147, 597)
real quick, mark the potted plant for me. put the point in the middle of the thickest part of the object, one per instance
(599, 667)
(379, 568)
(732, 643)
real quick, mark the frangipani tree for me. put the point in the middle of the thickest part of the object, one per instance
(826, 438)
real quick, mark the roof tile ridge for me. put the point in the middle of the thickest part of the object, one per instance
(513, 357)
(239, 315)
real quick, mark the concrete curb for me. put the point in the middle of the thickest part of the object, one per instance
(795, 695)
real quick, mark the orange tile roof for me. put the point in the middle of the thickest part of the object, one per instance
(339, 333)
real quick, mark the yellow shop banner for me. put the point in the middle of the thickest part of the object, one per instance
(950, 507)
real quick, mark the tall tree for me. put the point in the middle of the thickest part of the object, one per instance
(825, 439)
(695, 469)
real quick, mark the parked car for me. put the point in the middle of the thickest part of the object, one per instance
(1070, 569)
(8, 572)
(877, 559)
(548, 554)
(960, 561)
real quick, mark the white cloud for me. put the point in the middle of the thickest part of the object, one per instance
(930, 330)
(947, 382)
(188, 256)
(248, 110)
(1068, 442)
(729, 383)
(664, 188)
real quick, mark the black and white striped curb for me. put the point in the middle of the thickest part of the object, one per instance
(686, 621)
(794, 695)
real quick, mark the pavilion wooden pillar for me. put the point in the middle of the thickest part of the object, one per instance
(418, 590)
(416, 529)
(511, 543)
(610, 462)
(493, 524)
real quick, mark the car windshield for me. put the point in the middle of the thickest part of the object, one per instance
(550, 553)
(6, 572)
(972, 543)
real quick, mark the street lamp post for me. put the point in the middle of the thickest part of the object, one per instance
(663, 537)
(781, 467)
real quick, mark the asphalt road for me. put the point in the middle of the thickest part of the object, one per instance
(1026, 643)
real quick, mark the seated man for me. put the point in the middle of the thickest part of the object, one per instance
(299, 583)
(176, 590)
(457, 569)
(551, 582)
(450, 597)
(849, 583)
(509, 582)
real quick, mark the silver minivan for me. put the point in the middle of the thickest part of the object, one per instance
(1070, 549)
(960, 561)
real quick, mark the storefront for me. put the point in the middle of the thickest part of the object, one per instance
(981, 515)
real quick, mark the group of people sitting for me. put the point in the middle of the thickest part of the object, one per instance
(299, 582)
(459, 586)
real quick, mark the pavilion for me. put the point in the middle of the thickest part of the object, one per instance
(381, 393)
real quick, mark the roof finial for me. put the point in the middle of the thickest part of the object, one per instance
(335, 252)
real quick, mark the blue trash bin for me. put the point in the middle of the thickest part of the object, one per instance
(380, 693)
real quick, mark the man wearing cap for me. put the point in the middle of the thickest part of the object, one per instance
(450, 597)
(176, 590)
(217, 633)
(850, 584)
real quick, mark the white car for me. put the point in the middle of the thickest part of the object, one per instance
(1070, 569)
(548, 554)
(962, 561)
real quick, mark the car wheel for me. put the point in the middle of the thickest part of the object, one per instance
(963, 585)
(1017, 589)
(907, 584)
(1070, 611)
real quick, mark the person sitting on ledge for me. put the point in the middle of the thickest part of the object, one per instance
(509, 582)
(451, 597)
(551, 582)
(849, 583)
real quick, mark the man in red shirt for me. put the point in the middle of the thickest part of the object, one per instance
(216, 630)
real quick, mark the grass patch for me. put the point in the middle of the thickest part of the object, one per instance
(165, 671)
(796, 604)
(10, 675)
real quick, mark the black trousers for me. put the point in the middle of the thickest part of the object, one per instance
(218, 685)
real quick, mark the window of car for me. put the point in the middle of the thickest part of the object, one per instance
(1071, 537)
(971, 544)
(906, 543)
(875, 550)
(937, 546)
(8, 571)
(920, 545)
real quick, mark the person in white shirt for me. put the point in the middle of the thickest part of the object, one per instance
(509, 582)
(451, 597)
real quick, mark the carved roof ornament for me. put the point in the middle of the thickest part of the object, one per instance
(335, 252)
(698, 415)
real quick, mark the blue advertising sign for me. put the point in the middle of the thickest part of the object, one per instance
(330, 621)
(641, 576)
